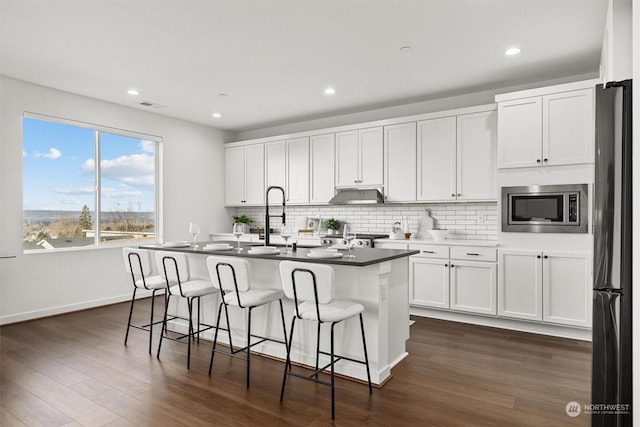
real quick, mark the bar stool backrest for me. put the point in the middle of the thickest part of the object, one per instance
(309, 280)
(229, 274)
(173, 270)
(137, 261)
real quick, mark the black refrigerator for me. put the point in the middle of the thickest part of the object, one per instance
(611, 385)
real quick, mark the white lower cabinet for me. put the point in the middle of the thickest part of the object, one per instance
(461, 278)
(553, 287)
(428, 282)
(473, 286)
(567, 294)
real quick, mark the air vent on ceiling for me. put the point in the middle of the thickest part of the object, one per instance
(152, 104)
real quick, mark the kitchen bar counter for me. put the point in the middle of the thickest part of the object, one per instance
(363, 257)
(376, 278)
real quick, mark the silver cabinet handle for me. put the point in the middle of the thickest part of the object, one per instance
(473, 253)
(428, 252)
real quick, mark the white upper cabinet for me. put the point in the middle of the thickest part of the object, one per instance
(568, 128)
(244, 175)
(476, 156)
(359, 156)
(520, 133)
(275, 168)
(400, 162)
(322, 172)
(298, 170)
(547, 130)
(436, 155)
(457, 158)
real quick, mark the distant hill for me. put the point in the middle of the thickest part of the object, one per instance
(46, 216)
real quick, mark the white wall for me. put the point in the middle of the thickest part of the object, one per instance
(39, 284)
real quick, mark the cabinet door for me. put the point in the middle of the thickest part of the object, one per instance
(347, 158)
(520, 133)
(567, 289)
(429, 282)
(371, 153)
(254, 174)
(322, 173)
(400, 162)
(234, 176)
(298, 170)
(436, 159)
(473, 286)
(276, 168)
(520, 284)
(568, 127)
(476, 153)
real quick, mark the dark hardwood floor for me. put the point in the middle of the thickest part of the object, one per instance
(74, 370)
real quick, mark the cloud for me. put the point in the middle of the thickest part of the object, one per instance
(77, 190)
(136, 170)
(24, 153)
(53, 154)
(115, 194)
(70, 201)
(147, 146)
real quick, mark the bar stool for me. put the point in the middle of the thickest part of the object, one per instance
(138, 263)
(311, 286)
(232, 277)
(174, 269)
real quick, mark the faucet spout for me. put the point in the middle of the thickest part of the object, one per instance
(267, 216)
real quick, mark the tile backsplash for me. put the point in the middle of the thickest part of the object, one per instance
(466, 221)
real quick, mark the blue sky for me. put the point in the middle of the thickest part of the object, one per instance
(59, 168)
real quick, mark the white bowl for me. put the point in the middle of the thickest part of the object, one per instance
(438, 234)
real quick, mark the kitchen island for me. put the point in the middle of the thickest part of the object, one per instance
(376, 278)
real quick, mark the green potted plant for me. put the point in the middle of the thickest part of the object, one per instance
(333, 225)
(243, 219)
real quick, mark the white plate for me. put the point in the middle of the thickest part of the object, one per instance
(218, 247)
(323, 250)
(176, 245)
(324, 255)
(262, 252)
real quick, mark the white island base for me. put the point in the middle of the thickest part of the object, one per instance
(382, 288)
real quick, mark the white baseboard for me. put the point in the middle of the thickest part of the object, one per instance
(53, 311)
(581, 334)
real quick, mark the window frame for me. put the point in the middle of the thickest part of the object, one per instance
(97, 129)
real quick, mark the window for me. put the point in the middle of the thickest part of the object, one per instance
(86, 185)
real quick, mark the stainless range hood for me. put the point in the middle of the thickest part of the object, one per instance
(357, 196)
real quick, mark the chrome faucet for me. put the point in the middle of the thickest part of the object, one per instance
(267, 216)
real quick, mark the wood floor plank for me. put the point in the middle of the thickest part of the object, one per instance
(74, 369)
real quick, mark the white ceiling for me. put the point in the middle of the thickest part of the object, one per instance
(274, 58)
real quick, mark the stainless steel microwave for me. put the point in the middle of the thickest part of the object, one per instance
(545, 208)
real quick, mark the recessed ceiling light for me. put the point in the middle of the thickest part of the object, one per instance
(405, 49)
(329, 91)
(512, 51)
(216, 115)
(133, 92)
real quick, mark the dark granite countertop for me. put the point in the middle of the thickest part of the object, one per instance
(363, 257)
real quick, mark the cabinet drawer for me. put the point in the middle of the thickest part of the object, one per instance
(474, 253)
(430, 251)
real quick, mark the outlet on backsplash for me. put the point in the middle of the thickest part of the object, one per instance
(470, 221)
